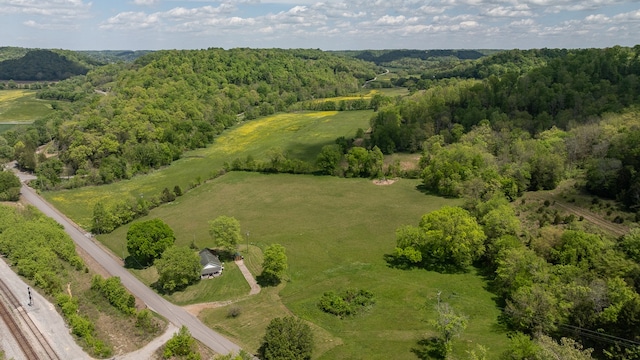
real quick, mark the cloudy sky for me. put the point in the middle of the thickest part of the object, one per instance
(324, 24)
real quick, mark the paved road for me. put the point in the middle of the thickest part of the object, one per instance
(155, 302)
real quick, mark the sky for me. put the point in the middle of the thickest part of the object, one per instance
(323, 24)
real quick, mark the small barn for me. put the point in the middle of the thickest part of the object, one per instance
(211, 265)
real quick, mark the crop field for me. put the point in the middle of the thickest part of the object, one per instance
(336, 232)
(22, 106)
(302, 135)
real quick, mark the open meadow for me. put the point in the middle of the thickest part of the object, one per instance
(22, 106)
(302, 135)
(336, 232)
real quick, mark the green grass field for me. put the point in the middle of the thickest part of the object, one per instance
(302, 135)
(22, 106)
(336, 232)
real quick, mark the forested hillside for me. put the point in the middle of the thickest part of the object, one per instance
(382, 57)
(171, 101)
(12, 52)
(114, 56)
(566, 90)
(45, 65)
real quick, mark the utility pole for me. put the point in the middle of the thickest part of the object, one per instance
(30, 298)
(247, 242)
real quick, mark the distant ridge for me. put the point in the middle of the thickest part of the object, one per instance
(380, 57)
(41, 65)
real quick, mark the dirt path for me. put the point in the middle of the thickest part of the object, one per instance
(255, 288)
(599, 221)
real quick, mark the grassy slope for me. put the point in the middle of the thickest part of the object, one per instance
(301, 134)
(336, 232)
(22, 105)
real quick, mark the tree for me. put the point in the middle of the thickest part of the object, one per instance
(274, 264)
(178, 268)
(181, 344)
(287, 338)
(535, 308)
(630, 244)
(9, 186)
(447, 239)
(329, 159)
(225, 231)
(453, 237)
(147, 240)
(449, 324)
(501, 221)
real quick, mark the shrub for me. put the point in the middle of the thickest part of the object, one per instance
(349, 303)
(234, 312)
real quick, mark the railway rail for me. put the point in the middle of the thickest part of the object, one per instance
(12, 312)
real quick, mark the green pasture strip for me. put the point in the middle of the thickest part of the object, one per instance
(230, 285)
(336, 233)
(22, 105)
(302, 135)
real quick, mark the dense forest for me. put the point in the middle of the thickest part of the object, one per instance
(114, 56)
(45, 65)
(167, 102)
(382, 57)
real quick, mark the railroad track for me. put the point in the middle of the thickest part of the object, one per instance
(10, 309)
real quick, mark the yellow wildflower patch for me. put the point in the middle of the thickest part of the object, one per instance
(8, 95)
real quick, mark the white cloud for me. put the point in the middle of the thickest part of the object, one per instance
(395, 20)
(130, 21)
(60, 9)
(146, 2)
(630, 16)
(515, 11)
(49, 26)
(598, 18)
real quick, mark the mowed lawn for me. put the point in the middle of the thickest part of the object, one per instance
(302, 135)
(22, 106)
(336, 232)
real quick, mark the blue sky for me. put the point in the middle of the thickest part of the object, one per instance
(324, 24)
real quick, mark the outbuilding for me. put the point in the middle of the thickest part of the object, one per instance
(211, 265)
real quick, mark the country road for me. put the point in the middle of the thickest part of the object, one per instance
(176, 315)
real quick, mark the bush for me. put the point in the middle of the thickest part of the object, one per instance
(349, 303)
(117, 295)
(234, 312)
(144, 321)
(181, 344)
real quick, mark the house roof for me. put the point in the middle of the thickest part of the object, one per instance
(208, 260)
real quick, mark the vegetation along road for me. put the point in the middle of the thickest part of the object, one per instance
(174, 314)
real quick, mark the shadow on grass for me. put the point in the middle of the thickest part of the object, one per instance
(430, 348)
(265, 280)
(400, 262)
(131, 262)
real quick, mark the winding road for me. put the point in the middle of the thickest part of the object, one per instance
(176, 315)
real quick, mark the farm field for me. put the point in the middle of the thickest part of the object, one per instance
(336, 232)
(302, 135)
(22, 106)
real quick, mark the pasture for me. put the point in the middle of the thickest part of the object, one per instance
(336, 232)
(22, 106)
(301, 135)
